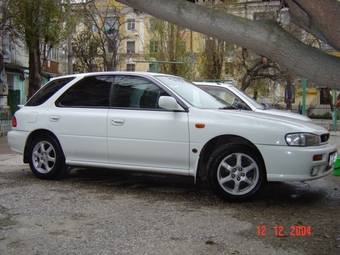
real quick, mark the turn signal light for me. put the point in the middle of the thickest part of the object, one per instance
(199, 125)
(317, 157)
(14, 122)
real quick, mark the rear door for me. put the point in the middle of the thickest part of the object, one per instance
(79, 117)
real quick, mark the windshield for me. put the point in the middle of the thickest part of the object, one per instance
(249, 99)
(192, 94)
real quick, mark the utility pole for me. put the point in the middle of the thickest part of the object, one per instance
(69, 54)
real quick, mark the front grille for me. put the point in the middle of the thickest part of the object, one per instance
(324, 138)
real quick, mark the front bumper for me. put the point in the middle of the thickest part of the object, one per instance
(289, 163)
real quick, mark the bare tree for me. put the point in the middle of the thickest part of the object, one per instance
(166, 44)
(97, 46)
(213, 56)
(266, 37)
(85, 51)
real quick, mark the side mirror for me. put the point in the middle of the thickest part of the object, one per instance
(169, 103)
(266, 105)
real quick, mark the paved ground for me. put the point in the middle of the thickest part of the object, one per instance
(109, 212)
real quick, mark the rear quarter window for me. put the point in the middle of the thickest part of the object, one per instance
(88, 92)
(47, 91)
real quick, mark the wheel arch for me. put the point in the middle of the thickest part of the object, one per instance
(32, 136)
(215, 143)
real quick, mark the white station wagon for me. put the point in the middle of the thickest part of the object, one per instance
(163, 124)
(241, 100)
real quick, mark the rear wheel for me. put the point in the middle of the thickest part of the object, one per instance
(46, 158)
(235, 173)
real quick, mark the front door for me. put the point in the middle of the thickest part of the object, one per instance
(140, 133)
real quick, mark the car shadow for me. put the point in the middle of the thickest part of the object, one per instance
(301, 193)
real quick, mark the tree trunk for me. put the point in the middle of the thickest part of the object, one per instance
(34, 70)
(289, 93)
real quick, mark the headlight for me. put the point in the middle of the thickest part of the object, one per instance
(302, 139)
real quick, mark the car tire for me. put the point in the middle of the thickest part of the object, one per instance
(235, 173)
(46, 158)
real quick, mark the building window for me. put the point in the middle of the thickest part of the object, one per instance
(110, 25)
(109, 48)
(130, 24)
(153, 47)
(130, 67)
(130, 47)
(152, 24)
(54, 54)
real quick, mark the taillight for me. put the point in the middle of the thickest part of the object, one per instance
(14, 122)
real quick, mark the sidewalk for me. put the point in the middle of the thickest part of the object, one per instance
(4, 147)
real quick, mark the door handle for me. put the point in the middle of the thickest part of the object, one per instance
(117, 122)
(54, 118)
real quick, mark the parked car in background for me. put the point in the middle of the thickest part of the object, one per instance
(241, 100)
(164, 124)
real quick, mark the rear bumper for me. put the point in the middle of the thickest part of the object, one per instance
(17, 140)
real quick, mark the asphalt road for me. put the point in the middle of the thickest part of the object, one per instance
(111, 212)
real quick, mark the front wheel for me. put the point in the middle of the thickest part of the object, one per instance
(46, 158)
(235, 173)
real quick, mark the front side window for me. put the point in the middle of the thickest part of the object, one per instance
(192, 94)
(88, 92)
(135, 92)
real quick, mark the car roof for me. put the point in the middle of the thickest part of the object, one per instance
(222, 84)
(110, 73)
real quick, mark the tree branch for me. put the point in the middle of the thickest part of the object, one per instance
(320, 18)
(264, 37)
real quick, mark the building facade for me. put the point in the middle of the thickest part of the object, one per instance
(112, 36)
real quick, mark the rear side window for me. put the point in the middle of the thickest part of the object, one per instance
(88, 92)
(47, 91)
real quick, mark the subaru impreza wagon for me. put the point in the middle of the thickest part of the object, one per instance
(164, 124)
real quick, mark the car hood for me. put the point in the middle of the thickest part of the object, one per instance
(281, 113)
(258, 120)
